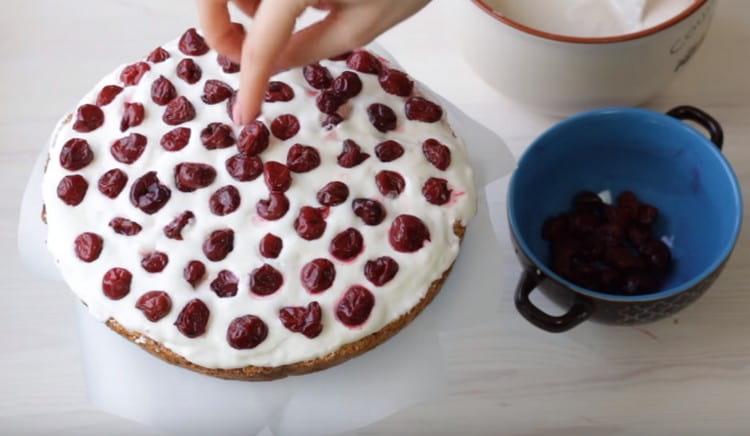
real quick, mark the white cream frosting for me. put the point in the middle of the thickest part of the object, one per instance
(416, 270)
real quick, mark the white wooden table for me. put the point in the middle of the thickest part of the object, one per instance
(686, 375)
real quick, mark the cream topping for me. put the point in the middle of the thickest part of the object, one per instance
(416, 270)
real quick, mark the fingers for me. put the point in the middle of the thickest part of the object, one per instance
(344, 29)
(274, 24)
(219, 31)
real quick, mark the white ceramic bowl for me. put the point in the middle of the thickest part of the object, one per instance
(563, 74)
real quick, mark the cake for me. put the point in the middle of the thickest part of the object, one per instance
(255, 252)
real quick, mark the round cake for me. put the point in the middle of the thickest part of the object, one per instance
(253, 252)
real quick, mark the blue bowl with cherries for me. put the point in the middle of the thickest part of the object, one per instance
(654, 173)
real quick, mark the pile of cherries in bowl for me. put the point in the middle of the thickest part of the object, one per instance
(609, 248)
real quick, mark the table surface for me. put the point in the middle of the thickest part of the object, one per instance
(689, 374)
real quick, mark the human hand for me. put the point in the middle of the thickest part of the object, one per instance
(272, 45)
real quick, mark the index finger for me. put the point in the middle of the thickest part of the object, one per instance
(273, 26)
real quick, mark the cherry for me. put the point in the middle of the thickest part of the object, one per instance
(583, 223)
(189, 71)
(388, 151)
(333, 194)
(244, 168)
(347, 85)
(278, 91)
(382, 117)
(617, 216)
(277, 176)
(191, 176)
(88, 246)
(588, 202)
(331, 121)
(219, 244)
(155, 262)
(640, 282)
(555, 228)
(224, 201)
(364, 62)
(253, 138)
(381, 270)
(329, 102)
(174, 229)
(132, 74)
(155, 305)
(128, 149)
(107, 94)
(194, 272)
(246, 332)
(225, 284)
(176, 139)
(347, 245)
(620, 257)
(303, 320)
(371, 212)
(627, 200)
(285, 126)
(647, 214)
(355, 306)
(158, 55)
(396, 82)
(192, 44)
(116, 283)
(72, 189)
(610, 279)
(193, 318)
(408, 234)
(216, 91)
(390, 183)
(436, 153)
(609, 234)
(352, 155)
(148, 194)
(112, 183)
(265, 280)
(178, 111)
(217, 135)
(162, 91)
(88, 118)
(310, 223)
(302, 158)
(318, 275)
(657, 255)
(227, 65)
(124, 226)
(436, 191)
(270, 246)
(75, 154)
(420, 109)
(275, 207)
(132, 116)
(638, 235)
(318, 76)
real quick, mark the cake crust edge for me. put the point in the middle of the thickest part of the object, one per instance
(266, 373)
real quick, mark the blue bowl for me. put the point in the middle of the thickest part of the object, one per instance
(666, 163)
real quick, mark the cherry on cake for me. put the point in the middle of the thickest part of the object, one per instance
(285, 246)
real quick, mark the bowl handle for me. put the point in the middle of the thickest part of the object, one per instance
(579, 312)
(705, 120)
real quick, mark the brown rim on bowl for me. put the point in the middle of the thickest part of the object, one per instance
(697, 4)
